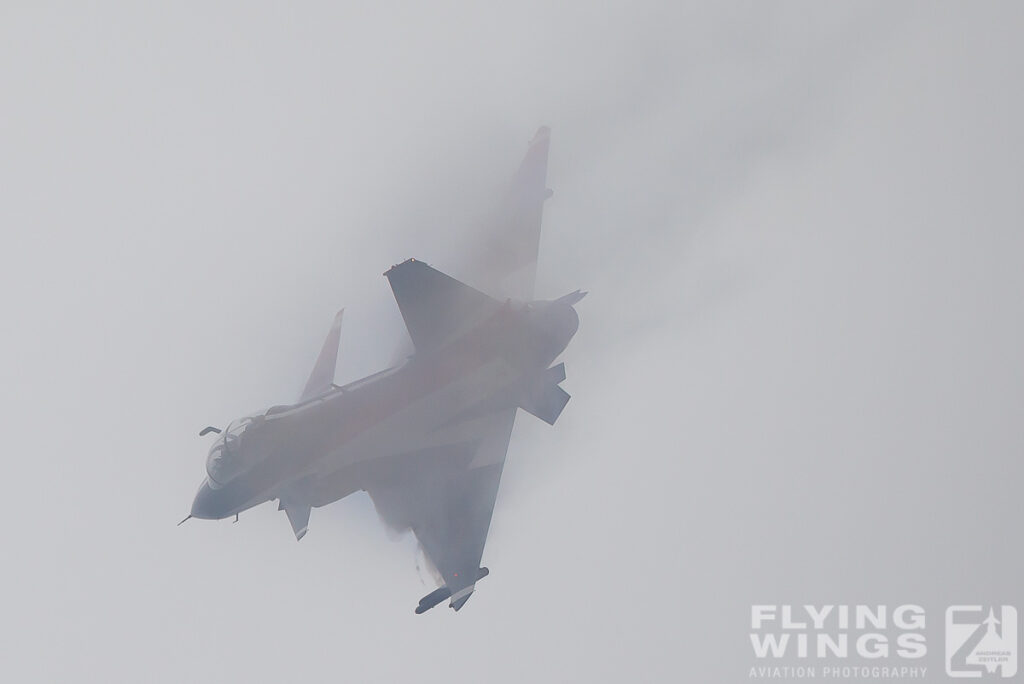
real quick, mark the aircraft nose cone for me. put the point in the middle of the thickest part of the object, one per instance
(205, 505)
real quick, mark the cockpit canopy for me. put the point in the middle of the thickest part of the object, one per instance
(226, 460)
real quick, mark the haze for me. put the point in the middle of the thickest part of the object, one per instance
(797, 377)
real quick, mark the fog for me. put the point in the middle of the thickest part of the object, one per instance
(797, 377)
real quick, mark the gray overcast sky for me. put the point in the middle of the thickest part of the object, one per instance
(797, 379)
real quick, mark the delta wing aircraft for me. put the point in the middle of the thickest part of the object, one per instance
(427, 439)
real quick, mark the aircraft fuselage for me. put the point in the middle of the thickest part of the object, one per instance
(320, 450)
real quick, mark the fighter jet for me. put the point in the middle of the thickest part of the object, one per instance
(427, 438)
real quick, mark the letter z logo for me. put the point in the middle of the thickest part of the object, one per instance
(981, 641)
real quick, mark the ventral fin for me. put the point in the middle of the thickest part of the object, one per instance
(298, 516)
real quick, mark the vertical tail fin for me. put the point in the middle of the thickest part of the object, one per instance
(435, 306)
